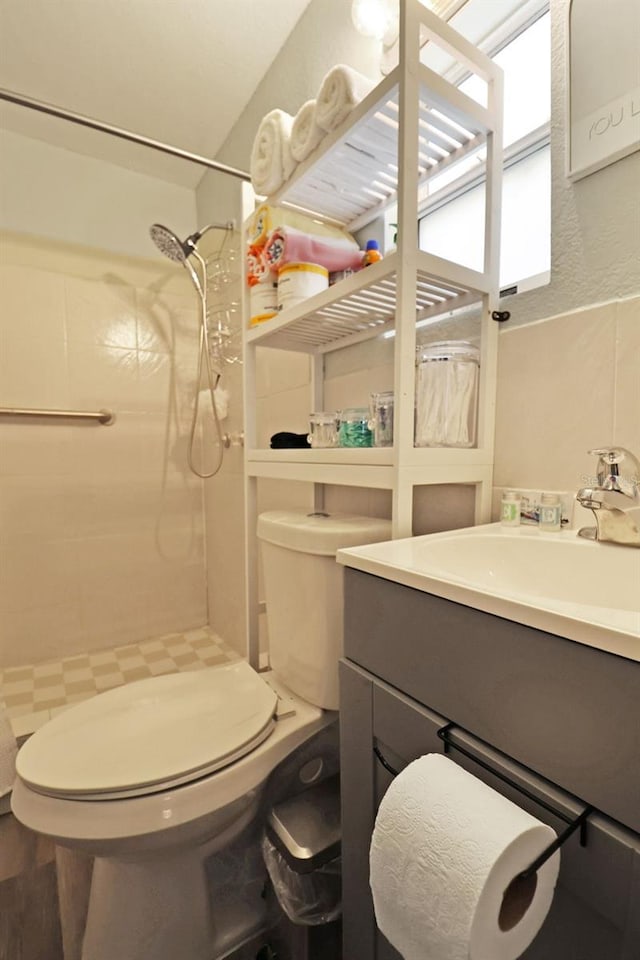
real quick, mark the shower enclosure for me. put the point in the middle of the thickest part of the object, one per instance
(110, 546)
(104, 540)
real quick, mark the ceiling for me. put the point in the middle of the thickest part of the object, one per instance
(178, 71)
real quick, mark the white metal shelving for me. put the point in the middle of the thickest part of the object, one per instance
(410, 128)
(364, 305)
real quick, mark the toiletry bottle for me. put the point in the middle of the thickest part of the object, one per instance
(550, 512)
(372, 253)
(510, 509)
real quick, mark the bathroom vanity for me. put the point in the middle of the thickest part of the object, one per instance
(559, 717)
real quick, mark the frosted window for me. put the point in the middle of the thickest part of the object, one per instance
(455, 230)
(527, 93)
(526, 63)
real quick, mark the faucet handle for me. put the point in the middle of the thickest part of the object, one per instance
(611, 477)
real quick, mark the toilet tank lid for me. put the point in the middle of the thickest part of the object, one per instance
(320, 533)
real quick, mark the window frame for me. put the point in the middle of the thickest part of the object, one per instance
(537, 139)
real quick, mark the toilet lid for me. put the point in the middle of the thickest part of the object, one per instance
(150, 735)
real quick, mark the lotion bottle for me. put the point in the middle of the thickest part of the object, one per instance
(550, 512)
(510, 509)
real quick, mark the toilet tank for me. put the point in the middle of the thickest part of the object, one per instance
(303, 593)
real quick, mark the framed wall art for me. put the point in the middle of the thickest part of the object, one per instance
(603, 84)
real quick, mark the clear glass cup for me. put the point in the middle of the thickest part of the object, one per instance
(382, 418)
(323, 430)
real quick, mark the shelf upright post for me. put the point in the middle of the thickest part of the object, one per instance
(479, 63)
(317, 398)
(489, 328)
(247, 201)
(405, 339)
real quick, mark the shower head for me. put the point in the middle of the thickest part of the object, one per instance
(168, 244)
(177, 250)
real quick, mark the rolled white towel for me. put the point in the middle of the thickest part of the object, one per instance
(8, 751)
(341, 90)
(271, 160)
(305, 132)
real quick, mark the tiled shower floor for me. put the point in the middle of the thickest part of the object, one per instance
(36, 692)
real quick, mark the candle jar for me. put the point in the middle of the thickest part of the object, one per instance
(446, 394)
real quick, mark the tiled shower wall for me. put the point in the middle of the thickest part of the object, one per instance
(101, 527)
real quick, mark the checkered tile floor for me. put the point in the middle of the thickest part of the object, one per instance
(34, 694)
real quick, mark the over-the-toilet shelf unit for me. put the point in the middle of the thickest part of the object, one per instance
(412, 126)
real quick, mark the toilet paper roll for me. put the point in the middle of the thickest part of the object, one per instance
(444, 854)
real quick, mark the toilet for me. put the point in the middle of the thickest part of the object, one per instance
(154, 777)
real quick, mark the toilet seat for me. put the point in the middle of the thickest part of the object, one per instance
(150, 735)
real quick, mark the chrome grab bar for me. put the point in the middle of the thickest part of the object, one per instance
(107, 417)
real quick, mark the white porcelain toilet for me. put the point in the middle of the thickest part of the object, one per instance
(154, 777)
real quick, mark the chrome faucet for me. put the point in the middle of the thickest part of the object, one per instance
(615, 499)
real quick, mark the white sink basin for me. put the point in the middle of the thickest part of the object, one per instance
(558, 582)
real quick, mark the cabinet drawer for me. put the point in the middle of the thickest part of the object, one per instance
(592, 916)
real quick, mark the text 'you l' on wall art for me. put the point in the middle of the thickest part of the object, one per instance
(603, 84)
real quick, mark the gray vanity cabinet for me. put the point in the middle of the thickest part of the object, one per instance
(552, 715)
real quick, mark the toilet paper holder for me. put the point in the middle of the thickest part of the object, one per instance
(573, 823)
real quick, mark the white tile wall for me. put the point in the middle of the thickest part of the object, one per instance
(566, 385)
(101, 528)
(626, 413)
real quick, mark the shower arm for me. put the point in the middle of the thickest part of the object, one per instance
(196, 237)
(192, 243)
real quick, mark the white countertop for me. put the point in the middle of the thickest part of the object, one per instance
(557, 582)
